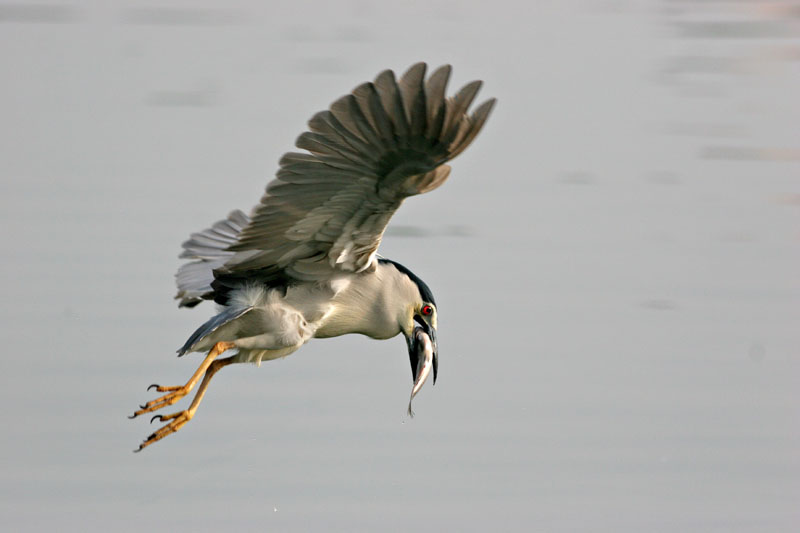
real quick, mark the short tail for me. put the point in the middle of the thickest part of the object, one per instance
(212, 324)
(209, 249)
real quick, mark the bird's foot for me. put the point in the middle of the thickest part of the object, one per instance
(177, 421)
(174, 395)
(207, 369)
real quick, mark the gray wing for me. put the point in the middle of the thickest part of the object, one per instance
(326, 210)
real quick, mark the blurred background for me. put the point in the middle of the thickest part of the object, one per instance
(615, 260)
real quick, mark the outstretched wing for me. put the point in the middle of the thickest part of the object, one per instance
(326, 210)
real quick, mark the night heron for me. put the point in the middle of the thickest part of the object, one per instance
(304, 264)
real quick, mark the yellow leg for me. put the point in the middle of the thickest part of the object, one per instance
(179, 419)
(177, 393)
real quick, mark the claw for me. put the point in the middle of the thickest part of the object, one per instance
(134, 415)
(154, 385)
(160, 418)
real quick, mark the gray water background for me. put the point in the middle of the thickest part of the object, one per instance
(615, 261)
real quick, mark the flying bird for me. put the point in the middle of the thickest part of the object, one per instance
(304, 263)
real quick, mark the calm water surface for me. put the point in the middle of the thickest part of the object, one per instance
(615, 261)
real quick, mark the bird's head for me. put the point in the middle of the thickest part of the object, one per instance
(419, 311)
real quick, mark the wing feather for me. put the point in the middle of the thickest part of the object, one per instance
(477, 120)
(412, 88)
(389, 94)
(456, 112)
(435, 89)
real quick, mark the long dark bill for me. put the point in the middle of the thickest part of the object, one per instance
(413, 352)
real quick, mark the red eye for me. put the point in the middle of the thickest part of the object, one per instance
(427, 310)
